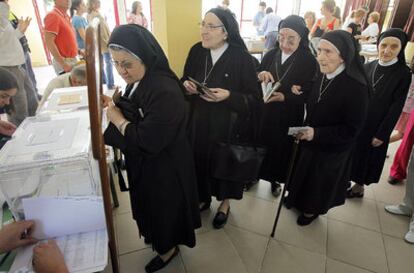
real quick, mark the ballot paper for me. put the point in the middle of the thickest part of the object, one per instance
(65, 99)
(295, 130)
(61, 216)
(268, 89)
(83, 253)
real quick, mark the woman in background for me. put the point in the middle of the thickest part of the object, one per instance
(136, 16)
(79, 23)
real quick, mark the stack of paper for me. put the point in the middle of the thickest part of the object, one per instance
(78, 226)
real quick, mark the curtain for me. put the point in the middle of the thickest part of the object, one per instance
(409, 27)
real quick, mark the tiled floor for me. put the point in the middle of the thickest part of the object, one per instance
(359, 237)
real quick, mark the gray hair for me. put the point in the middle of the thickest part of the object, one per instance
(79, 72)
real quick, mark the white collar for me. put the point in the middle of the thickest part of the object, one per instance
(393, 61)
(134, 87)
(285, 57)
(338, 71)
(216, 53)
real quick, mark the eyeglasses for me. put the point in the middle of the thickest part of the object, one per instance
(123, 65)
(291, 40)
(209, 27)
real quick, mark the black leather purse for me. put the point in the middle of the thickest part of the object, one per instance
(236, 161)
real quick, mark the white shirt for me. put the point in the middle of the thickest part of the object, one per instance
(134, 87)
(11, 51)
(216, 53)
(338, 71)
(285, 57)
(270, 23)
(393, 61)
(372, 30)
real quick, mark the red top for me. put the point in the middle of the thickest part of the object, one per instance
(58, 22)
(329, 26)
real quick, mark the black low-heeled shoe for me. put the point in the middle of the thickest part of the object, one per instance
(157, 263)
(350, 194)
(205, 206)
(304, 220)
(220, 219)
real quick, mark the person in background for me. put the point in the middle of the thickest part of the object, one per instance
(355, 27)
(337, 14)
(225, 6)
(13, 60)
(349, 19)
(47, 257)
(270, 27)
(60, 37)
(93, 12)
(336, 112)
(136, 16)
(406, 208)
(372, 31)
(405, 130)
(79, 23)
(390, 79)
(290, 63)
(258, 18)
(14, 20)
(8, 89)
(328, 22)
(77, 77)
(310, 19)
(222, 63)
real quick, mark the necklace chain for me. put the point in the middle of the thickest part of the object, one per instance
(322, 91)
(373, 82)
(206, 75)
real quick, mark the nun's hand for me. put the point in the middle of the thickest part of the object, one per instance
(265, 77)
(114, 114)
(296, 90)
(106, 100)
(218, 94)
(376, 142)
(306, 133)
(276, 97)
(190, 87)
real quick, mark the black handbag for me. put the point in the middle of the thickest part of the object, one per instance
(238, 162)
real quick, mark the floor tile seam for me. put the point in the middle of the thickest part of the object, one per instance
(355, 225)
(235, 249)
(249, 230)
(182, 261)
(264, 256)
(353, 265)
(296, 246)
(132, 251)
(339, 220)
(262, 198)
(383, 240)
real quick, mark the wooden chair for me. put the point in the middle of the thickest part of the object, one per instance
(95, 91)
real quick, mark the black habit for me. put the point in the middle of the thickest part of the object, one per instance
(212, 122)
(300, 69)
(386, 103)
(323, 168)
(158, 155)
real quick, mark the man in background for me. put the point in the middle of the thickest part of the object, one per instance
(258, 18)
(270, 28)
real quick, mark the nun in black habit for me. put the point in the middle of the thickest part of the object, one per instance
(335, 115)
(390, 79)
(292, 64)
(148, 124)
(222, 63)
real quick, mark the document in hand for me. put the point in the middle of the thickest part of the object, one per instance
(203, 90)
(77, 224)
(268, 89)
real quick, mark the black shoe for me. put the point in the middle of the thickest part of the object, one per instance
(276, 189)
(394, 181)
(157, 263)
(147, 241)
(304, 221)
(220, 219)
(205, 206)
(350, 194)
(250, 184)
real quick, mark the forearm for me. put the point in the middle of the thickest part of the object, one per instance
(50, 43)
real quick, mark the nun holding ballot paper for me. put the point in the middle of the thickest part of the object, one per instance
(336, 113)
(148, 124)
(290, 64)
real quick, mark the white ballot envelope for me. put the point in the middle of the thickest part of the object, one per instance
(295, 130)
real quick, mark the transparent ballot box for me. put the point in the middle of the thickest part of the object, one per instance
(48, 156)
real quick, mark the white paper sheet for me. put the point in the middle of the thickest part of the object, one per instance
(295, 130)
(61, 216)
